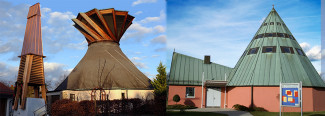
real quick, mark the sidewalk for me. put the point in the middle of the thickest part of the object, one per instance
(229, 112)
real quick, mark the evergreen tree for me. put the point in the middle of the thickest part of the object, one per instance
(159, 83)
(160, 90)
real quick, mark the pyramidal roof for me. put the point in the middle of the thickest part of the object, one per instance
(274, 56)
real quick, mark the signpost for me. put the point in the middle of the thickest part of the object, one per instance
(291, 95)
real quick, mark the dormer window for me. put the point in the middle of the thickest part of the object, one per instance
(278, 23)
(253, 51)
(265, 24)
(286, 49)
(271, 23)
(269, 49)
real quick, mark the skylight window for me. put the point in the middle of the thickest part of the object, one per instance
(253, 51)
(269, 49)
(269, 35)
(286, 49)
(278, 23)
(280, 35)
(265, 24)
(271, 23)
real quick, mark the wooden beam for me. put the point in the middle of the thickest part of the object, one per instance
(87, 29)
(26, 77)
(18, 92)
(95, 26)
(43, 90)
(100, 16)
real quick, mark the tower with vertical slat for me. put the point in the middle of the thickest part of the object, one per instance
(31, 69)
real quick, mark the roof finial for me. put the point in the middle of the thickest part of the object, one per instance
(273, 5)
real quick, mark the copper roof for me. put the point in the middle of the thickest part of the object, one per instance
(33, 34)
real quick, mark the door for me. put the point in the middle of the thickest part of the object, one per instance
(213, 97)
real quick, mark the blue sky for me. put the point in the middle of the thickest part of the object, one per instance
(224, 28)
(63, 45)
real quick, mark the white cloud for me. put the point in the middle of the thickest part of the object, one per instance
(57, 17)
(140, 64)
(161, 39)
(136, 58)
(143, 1)
(138, 52)
(154, 19)
(139, 12)
(313, 53)
(149, 75)
(159, 28)
(8, 73)
(79, 46)
(137, 31)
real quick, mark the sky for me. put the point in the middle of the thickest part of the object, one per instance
(144, 42)
(224, 28)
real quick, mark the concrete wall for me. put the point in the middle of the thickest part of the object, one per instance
(181, 91)
(112, 94)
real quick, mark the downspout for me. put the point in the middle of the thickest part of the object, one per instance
(224, 103)
(202, 90)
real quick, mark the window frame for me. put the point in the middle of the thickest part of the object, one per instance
(72, 97)
(290, 48)
(187, 91)
(265, 47)
(256, 50)
(302, 52)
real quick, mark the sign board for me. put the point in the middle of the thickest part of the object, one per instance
(290, 94)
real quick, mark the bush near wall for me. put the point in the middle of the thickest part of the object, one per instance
(87, 108)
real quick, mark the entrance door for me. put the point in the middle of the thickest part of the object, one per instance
(213, 97)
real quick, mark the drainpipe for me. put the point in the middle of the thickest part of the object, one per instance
(224, 103)
(202, 90)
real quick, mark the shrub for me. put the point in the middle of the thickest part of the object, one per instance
(259, 109)
(179, 106)
(240, 107)
(176, 98)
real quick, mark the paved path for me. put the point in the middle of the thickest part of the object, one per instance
(229, 112)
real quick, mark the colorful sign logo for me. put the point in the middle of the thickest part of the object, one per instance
(290, 97)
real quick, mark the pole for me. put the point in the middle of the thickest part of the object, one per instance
(280, 97)
(301, 97)
(202, 90)
(224, 104)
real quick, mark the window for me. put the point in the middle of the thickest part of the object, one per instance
(265, 24)
(271, 23)
(253, 51)
(285, 49)
(190, 92)
(278, 23)
(280, 35)
(300, 52)
(269, 49)
(72, 97)
(269, 35)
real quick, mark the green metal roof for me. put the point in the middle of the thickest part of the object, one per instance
(187, 70)
(269, 69)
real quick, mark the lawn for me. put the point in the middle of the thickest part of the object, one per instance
(257, 113)
(172, 113)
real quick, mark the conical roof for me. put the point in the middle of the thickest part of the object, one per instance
(104, 65)
(274, 56)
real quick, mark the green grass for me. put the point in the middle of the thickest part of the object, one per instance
(257, 113)
(172, 113)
